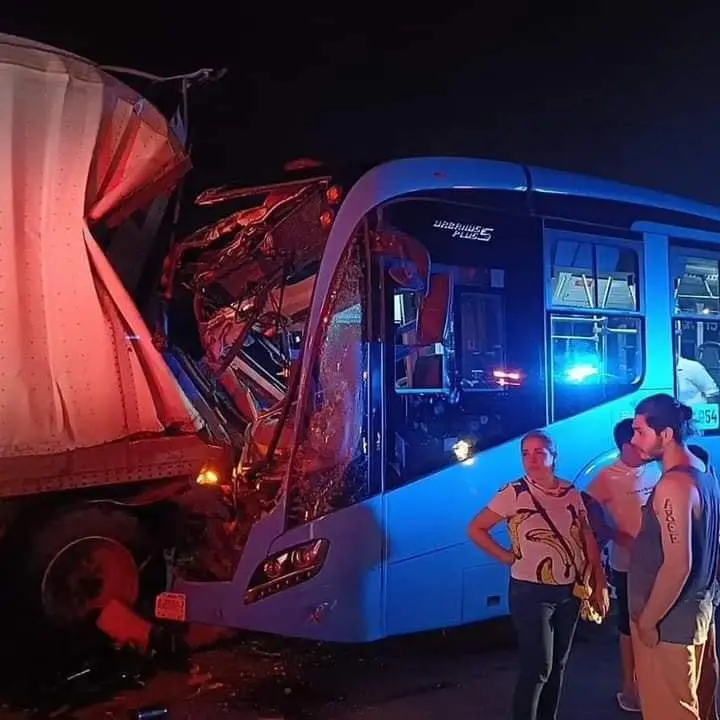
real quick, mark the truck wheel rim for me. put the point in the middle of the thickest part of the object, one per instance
(85, 575)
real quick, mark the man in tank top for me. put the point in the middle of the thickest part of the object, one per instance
(673, 565)
(621, 490)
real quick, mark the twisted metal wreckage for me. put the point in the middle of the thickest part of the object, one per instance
(249, 279)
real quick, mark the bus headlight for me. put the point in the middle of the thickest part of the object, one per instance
(286, 569)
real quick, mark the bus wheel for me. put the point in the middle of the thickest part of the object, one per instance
(83, 560)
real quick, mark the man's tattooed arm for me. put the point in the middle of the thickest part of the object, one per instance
(673, 502)
(670, 521)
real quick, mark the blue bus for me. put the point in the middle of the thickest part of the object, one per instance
(457, 304)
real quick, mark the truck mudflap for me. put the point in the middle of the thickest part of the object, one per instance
(126, 461)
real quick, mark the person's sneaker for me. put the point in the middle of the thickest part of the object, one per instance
(629, 703)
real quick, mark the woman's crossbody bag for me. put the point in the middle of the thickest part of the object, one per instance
(582, 589)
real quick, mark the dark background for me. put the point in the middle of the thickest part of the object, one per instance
(633, 96)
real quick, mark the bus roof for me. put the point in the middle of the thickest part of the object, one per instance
(482, 174)
(557, 182)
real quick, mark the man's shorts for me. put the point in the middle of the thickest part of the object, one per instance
(620, 582)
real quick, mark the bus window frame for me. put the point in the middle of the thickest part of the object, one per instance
(686, 247)
(551, 236)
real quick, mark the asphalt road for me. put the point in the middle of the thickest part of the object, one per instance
(467, 673)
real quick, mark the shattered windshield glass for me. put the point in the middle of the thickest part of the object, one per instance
(330, 469)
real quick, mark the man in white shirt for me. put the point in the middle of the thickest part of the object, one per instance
(621, 490)
(695, 385)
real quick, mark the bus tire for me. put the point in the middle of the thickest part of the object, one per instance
(83, 558)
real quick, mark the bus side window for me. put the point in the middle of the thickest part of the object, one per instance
(596, 328)
(696, 333)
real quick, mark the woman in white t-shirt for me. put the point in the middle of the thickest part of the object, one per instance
(551, 543)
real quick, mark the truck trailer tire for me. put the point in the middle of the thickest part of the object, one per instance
(80, 560)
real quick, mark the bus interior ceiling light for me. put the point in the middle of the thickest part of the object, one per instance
(581, 372)
(463, 449)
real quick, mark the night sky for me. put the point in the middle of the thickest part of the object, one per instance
(628, 97)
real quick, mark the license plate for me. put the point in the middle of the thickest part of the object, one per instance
(171, 606)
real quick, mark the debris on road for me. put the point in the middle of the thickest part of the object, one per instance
(253, 677)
